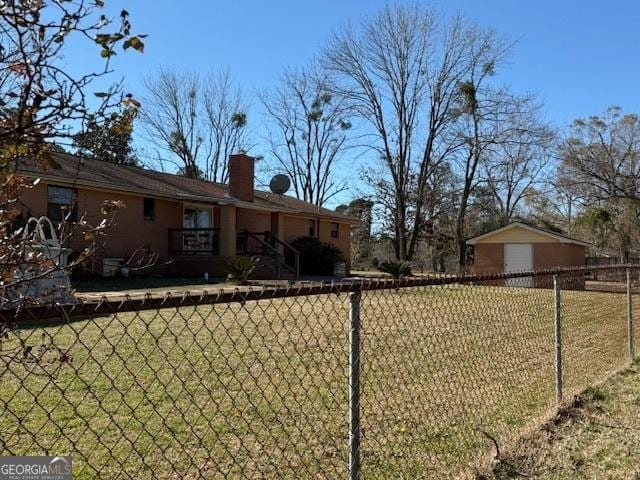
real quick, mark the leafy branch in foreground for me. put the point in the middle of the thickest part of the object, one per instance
(41, 101)
(43, 105)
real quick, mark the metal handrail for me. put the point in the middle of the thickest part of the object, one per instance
(261, 241)
(269, 248)
(296, 254)
(280, 258)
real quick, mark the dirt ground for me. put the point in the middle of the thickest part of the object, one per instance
(597, 438)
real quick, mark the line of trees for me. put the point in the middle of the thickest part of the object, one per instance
(411, 92)
(447, 151)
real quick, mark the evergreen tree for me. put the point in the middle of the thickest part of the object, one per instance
(109, 141)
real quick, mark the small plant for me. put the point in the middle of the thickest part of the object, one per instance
(397, 269)
(240, 269)
(597, 394)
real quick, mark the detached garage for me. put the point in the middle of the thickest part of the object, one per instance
(521, 247)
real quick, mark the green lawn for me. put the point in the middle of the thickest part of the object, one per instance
(261, 390)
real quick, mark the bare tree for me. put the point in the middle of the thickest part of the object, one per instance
(171, 117)
(485, 127)
(556, 203)
(197, 120)
(436, 200)
(517, 168)
(225, 107)
(601, 156)
(308, 135)
(402, 71)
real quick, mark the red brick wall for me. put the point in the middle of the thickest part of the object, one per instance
(488, 258)
(252, 220)
(129, 230)
(295, 227)
(343, 242)
(551, 255)
(241, 175)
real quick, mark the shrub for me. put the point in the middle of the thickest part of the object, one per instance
(316, 257)
(240, 269)
(396, 269)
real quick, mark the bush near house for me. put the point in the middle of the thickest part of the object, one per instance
(316, 257)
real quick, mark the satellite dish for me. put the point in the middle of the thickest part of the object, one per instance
(280, 184)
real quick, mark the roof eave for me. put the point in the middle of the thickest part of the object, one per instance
(98, 186)
(326, 216)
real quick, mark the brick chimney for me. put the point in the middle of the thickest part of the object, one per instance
(241, 170)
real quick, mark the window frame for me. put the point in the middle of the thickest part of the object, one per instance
(197, 210)
(152, 217)
(73, 217)
(335, 232)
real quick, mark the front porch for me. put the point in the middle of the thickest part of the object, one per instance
(210, 236)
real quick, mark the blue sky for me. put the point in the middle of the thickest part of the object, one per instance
(578, 56)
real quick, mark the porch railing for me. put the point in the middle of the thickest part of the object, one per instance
(194, 241)
(268, 244)
(291, 256)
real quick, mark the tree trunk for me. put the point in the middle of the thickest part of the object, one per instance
(460, 237)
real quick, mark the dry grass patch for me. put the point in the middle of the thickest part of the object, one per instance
(597, 438)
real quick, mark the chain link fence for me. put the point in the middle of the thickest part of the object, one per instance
(417, 378)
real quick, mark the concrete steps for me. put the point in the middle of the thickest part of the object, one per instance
(268, 269)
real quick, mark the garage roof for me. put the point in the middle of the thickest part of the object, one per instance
(556, 236)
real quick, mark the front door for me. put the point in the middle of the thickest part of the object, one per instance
(518, 257)
(197, 235)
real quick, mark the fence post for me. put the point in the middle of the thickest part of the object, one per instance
(354, 385)
(558, 338)
(632, 353)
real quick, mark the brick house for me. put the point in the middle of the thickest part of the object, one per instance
(196, 223)
(521, 247)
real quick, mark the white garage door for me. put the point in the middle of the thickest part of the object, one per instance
(518, 257)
